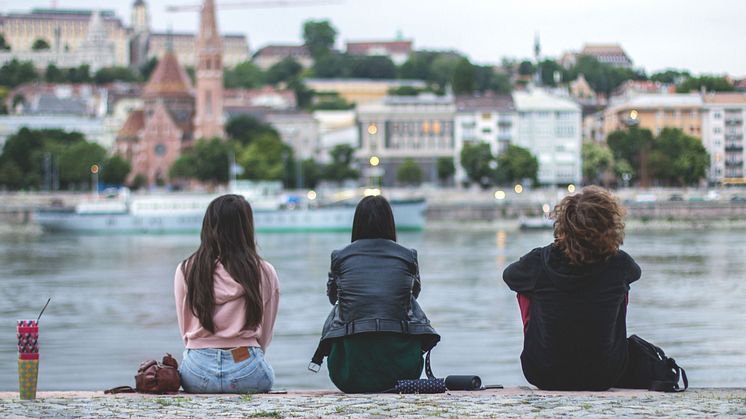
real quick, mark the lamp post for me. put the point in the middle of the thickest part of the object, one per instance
(94, 179)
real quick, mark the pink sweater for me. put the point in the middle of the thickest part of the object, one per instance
(230, 312)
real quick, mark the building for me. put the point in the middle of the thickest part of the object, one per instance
(398, 51)
(655, 112)
(360, 90)
(208, 120)
(406, 127)
(723, 132)
(549, 127)
(96, 50)
(580, 89)
(235, 48)
(153, 138)
(273, 54)
(336, 128)
(237, 100)
(299, 130)
(491, 120)
(68, 32)
(612, 54)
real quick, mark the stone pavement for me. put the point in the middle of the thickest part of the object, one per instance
(511, 402)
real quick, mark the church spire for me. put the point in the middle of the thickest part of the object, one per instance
(209, 117)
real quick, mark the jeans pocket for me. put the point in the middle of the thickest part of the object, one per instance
(192, 381)
(255, 377)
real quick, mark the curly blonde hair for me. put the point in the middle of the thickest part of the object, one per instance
(589, 226)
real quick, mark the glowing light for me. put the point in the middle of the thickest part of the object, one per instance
(94, 169)
(633, 114)
(499, 195)
(545, 208)
(571, 188)
(518, 188)
(311, 195)
(374, 161)
(372, 129)
(372, 192)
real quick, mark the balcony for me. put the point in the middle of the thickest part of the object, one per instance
(505, 123)
(734, 147)
(733, 137)
(733, 163)
(504, 136)
(736, 120)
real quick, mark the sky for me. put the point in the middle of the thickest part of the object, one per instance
(704, 36)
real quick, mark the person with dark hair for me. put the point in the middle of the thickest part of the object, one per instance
(226, 304)
(376, 333)
(573, 297)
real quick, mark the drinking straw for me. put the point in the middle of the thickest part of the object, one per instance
(42, 310)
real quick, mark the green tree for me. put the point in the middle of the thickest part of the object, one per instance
(526, 68)
(340, 168)
(463, 81)
(598, 161)
(477, 161)
(319, 37)
(405, 91)
(80, 74)
(182, 168)
(370, 67)
(331, 103)
(445, 168)
(11, 176)
(443, 69)
(486, 79)
(40, 44)
(245, 128)
(678, 159)
(312, 173)
(409, 172)
(603, 78)
(266, 158)
(515, 165)
(110, 74)
(3, 45)
(670, 76)
(115, 170)
(54, 74)
(710, 83)
(75, 163)
(139, 182)
(245, 75)
(630, 146)
(331, 65)
(16, 73)
(211, 160)
(547, 69)
(418, 66)
(283, 71)
(146, 69)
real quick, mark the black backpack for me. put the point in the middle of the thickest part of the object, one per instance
(649, 368)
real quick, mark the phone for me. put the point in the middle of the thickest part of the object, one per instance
(277, 391)
(492, 386)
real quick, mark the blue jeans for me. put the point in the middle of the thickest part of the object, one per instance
(214, 371)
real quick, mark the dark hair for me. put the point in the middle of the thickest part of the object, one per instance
(227, 237)
(374, 219)
(589, 226)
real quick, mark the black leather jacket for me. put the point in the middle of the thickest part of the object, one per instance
(374, 284)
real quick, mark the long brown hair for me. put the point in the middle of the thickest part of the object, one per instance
(589, 226)
(227, 237)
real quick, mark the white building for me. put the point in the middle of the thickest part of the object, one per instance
(487, 119)
(723, 132)
(549, 126)
(406, 127)
(336, 128)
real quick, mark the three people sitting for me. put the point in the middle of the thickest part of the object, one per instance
(572, 296)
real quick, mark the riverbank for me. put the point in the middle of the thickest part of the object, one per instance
(511, 402)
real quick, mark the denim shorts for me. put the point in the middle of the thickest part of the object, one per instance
(214, 371)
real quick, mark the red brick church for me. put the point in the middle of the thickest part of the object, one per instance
(174, 115)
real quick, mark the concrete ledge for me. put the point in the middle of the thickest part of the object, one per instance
(511, 402)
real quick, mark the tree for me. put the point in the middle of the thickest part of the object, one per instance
(312, 173)
(75, 163)
(485, 78)
(463, 81)
(547, 69)
(16, 73)
(603, 78)
(211, 160)
(678, 159)
(418, 65)
(283, 71)
(631, 146)
(80, 74)
(331, 103)
(442, 69)
(54, 74)
(477, 161)
(331, 65)
(445, 168)
(409, 172)
(115, 170)
(244, 75)
(598, 161)
(40, 44)
(670, 76)
(515, 165)
(319, 36)
(110, 74)
(3, 45)
(709, 83)
(526, 68)
(266, 158)
(139, 182)
(370, 67)
(146, 69)
(245, 128)
(340, 168)
(183, 167)
(11, 176)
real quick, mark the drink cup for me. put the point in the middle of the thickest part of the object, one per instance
(28, 358)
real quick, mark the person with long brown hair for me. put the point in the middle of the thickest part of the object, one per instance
(226, 303)
(573, 297)
(376, 332)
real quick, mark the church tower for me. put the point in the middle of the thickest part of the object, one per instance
(208, 121)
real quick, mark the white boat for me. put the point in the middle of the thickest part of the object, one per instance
(183, 213)
(536, 223)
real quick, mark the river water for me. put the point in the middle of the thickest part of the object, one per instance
(112, 302)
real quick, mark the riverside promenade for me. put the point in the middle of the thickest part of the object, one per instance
(510, 402)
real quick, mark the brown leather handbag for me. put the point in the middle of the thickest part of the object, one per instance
(154, 377)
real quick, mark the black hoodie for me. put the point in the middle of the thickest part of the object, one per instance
(577, 333)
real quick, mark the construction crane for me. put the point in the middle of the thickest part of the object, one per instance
(259, 4)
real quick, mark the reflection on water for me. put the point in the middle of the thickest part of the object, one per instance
(112, 302)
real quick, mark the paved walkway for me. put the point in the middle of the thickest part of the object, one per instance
(512, 402)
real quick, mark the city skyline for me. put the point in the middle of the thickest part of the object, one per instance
(712, 49)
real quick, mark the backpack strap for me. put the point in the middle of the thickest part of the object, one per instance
(120, 389)
(671, 386)
(428, 369)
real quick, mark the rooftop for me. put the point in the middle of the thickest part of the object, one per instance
(539, 99)
(661, 100)
(168, 79)
(725, 98)
(362, 47)
(484, 103)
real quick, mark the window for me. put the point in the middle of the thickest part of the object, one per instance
(486, 116)
(486, 130)
(542, 115)
(717, 130)
(717, 115)
(160, 150)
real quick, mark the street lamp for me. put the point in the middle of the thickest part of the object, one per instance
(94, 179)
(518, 188)
(571, 188)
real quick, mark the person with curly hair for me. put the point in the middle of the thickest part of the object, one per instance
(573, 296)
